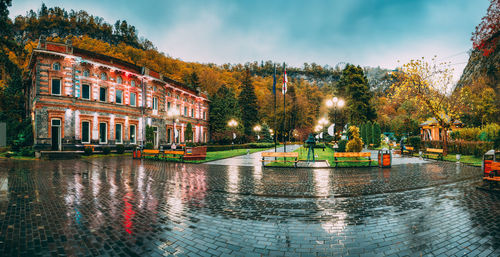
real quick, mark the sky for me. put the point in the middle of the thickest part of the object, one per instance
(327, 32)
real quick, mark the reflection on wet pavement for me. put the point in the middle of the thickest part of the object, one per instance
(119, 206)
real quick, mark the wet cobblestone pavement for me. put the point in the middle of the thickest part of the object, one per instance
(119, 206)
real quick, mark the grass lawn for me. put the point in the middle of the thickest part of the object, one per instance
(327, 154)
(466, 159)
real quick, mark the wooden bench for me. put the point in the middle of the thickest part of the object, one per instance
(353, 155)
(408, 150)
(434, 152)
(294, 155)
(150, 152)
(173, 154)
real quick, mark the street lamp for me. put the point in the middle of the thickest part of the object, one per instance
(335, 102)
(232, 124)
(257, 129)
(173, 113)
(323, 122)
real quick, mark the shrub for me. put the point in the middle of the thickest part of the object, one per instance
(27, 151)
(342, 145)
(369, 133)
(415, 142)
(106, 150)
(355, 144)
(120, 149)
(489, 132)
(468, 134)
(149, 145)
(87, 151)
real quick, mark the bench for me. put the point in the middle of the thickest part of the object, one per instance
(494, 174)
(282, 155)
(150, 152)
(173, 154)
(434, 152)
(353, 155)
(408, 150)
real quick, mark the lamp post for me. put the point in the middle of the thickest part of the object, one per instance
(173, 113)
(257, 129)
(232, 124)
(335, 102)
(323, 122)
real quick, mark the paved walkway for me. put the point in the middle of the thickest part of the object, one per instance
(255, 159)
(251, 159)
(397, 159)
(124, 207)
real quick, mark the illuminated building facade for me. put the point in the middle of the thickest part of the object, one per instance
(78, 97)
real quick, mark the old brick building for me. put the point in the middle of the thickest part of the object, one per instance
(79, 97)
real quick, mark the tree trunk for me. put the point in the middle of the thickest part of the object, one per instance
(445, 142)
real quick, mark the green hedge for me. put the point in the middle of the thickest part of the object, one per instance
(476, 148)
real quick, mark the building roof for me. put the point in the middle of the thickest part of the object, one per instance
(68, 49)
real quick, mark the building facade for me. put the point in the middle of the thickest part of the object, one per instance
(78, 98)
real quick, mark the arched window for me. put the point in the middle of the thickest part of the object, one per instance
(104, 76)
(86, 73)
(56, 66)
(119, 80)
(132, 83)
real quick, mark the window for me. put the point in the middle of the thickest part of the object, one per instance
(132, 134)
(177, 97)
(119, 80)
(56, 122)
(119, 96)
(103, 133)
(118, 133)
(86, 73)
(56, 86)
(85, 92)
(192, 113)
(154, 88)
(56, 66)
(168, 93)
(104, 76)
(132, 99)
(155, 103)
(102, 94)
(185, 111)
(85, 132)
(204, 117)
(168, 106)
(179, 108)
(132, 83)
(169, 136)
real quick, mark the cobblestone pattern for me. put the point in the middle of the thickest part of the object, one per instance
(124, 207)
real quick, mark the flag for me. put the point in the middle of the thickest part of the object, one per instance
(285, 80)
(274, 81)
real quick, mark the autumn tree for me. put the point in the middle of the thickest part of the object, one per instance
(429, 85)
(487, 33)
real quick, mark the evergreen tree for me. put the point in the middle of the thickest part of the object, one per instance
(188, 133)
(223, 107)
(376, 134)
(248, 104)
(369, 133)
(353, 85)
(363, 133)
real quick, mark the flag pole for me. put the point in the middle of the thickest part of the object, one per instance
(284, 106)
(274, 91)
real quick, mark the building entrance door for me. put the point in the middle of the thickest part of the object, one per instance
(56, 135)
